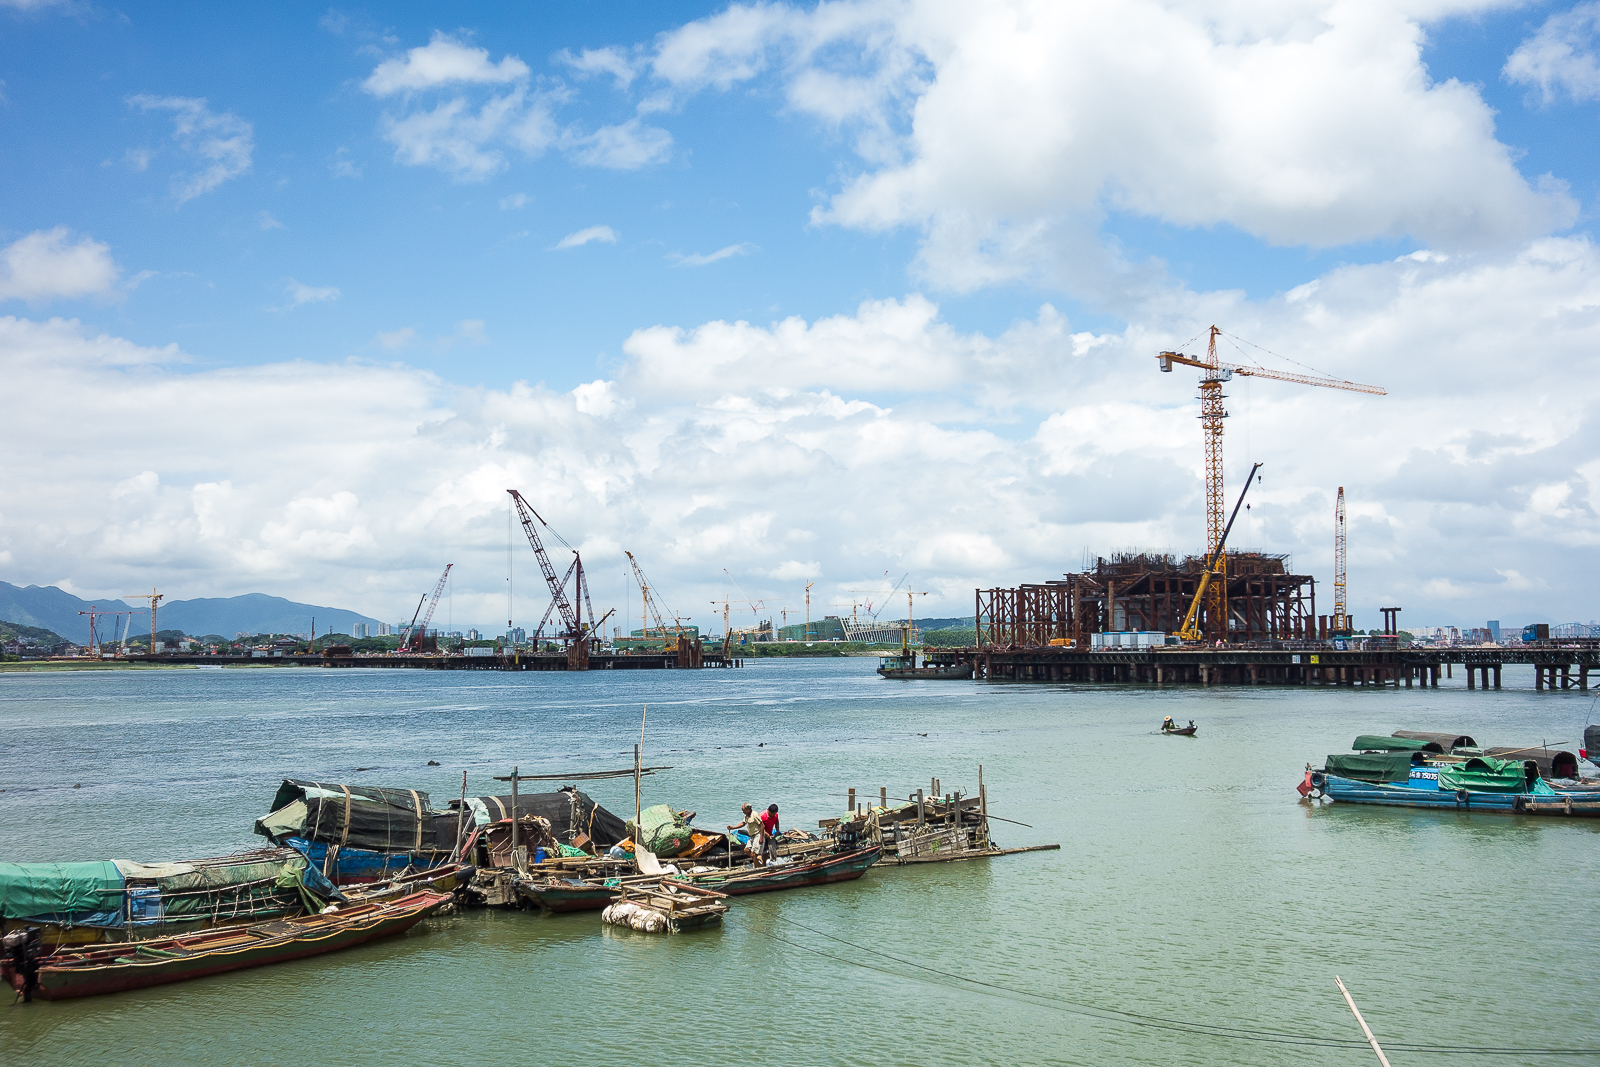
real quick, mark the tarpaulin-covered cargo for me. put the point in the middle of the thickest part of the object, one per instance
(1388, 743)
(1591, 743)
(1482, 774)
(1552, 762)
(377, 818)
(80, 903)
(569, 811)
(1444, 741)
(662, 831)
(1373, 766)
(28, 889)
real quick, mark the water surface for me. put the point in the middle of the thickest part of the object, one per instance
(1192, 885)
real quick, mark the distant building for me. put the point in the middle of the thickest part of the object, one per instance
(517, 636)
(828, 628)
(653, 633)
(1494, 630)
(472, 635)
(361, 629)
(383, 629)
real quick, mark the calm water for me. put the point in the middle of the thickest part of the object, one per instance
(1192, 884)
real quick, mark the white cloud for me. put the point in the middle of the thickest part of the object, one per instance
(47, 264)
(300, 293)
(585, 236)
(469, 143)
(442, 61)
(1563, 57)
(514, 202)
(222, 144)
(625, 146)
(1006, 135)
(613, 61)
(700, 259)
(138, 159)
(265, 220)
(827, 449)
(342, 166)
(395, 340)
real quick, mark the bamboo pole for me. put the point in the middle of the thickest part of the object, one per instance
(1365, 1029)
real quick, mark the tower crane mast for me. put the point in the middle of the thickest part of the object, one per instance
(1217, 372)
(1341, 609)
(410, 641)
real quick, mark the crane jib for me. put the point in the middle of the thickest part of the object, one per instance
(558, 593)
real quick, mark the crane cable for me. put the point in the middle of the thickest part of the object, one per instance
(1115, 1015)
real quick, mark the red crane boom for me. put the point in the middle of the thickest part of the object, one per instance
(411, 634)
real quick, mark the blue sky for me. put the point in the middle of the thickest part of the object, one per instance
(284, 196)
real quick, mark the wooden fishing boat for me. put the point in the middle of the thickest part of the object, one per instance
(823, 869)
(148, 963)
(1181, 731)
(443, 879)
(937, 673)
(555, 893)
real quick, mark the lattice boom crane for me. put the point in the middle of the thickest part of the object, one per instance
(410, 641)
(558, 591)
(1211, 415)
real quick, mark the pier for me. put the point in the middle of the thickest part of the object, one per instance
(1555, 667)
(523, 661)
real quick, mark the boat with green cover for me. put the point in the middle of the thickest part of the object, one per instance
(116, 969)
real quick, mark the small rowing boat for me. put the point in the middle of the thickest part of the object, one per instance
(123, 967)
(1173, 729)
(822, 869)
(563, 894)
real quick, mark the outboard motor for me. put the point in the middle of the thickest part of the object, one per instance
(22, 951)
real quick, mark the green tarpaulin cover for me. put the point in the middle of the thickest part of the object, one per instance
(1483, 775)
(1383, 743)
(28, 889)
(664, 833)
(1371, 766)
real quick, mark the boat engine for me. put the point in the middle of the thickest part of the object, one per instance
(22, 951)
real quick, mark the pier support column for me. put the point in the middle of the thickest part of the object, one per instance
(1469, 676)
(1538, 678)
(1409, 672)
(1497, 676)
(1447, 672)
(1583, 677)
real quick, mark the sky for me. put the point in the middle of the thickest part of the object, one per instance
(862, 294)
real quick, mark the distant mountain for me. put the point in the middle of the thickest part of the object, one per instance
(52, 608)
(253, 613)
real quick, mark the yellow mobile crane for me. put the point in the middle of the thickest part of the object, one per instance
(1211, 415)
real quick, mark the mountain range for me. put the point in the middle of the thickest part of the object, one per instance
(253, 613)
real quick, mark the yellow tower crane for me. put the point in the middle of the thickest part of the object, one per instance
(1216, 372)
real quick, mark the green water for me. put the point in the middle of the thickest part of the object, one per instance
(1192, 886)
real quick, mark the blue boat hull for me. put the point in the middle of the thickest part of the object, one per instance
(1351, 791)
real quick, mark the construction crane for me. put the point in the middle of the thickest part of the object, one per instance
(154, 598)
(409, 642)
(571, 617)
(810, 636)
(1341, 613)
(94, 613)
(1190, 630)
(652, 609)
(1211, 415)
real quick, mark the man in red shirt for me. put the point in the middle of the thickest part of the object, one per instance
(769, 823)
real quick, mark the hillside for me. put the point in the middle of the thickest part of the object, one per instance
(56, 609)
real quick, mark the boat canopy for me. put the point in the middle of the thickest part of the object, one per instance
(1383, 743)
(92, 894)
(570, 812)
(38, 889)
(378, 818)
(1485, 774)
(1444, 741)
(1374, 766)
(1552, 762)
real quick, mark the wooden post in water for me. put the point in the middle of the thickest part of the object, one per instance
(983, 807)
(852, 804)
(515, 836)
(1365, 1029)
(461, 815)
(883, 796)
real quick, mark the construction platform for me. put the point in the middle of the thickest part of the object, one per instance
(1555, 667)
(552, 661)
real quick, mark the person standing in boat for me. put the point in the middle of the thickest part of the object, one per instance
(752, 829)
(769, 824)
